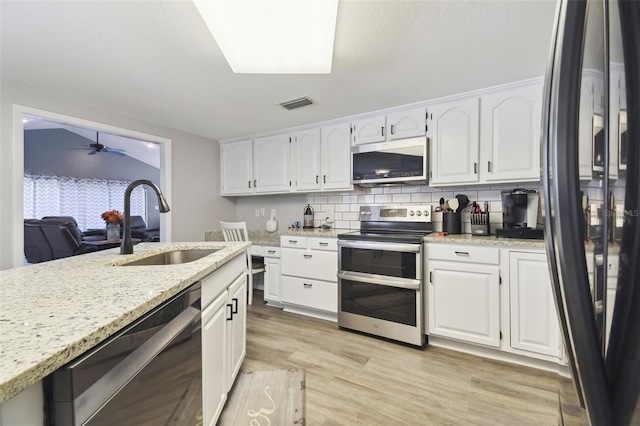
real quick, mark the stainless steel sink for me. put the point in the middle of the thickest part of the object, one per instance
(174, 257)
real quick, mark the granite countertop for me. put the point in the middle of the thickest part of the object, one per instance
(489, 240)
(52, 312)
(265, 238)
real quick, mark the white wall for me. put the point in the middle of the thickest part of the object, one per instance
(196, 205)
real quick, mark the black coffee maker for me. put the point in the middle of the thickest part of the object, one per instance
(520, 210)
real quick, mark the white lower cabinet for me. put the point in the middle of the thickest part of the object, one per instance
(309, 276)
(533, 320)
(214, 389)
(464, 302)
(224, 316)
(272, 283)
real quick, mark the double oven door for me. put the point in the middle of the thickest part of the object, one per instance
(380, 289)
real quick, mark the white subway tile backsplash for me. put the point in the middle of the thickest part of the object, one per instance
(342, 207)
(410, 189)
(350, 216)
(495, 206)
(384, 198)
(377, 190)
(341, 224)
(354, 207)
(354, 224)
(349, 199)
(319, 199)
(401, 198)
(489, 196)
(337, 216)
(421, 197)
(392, 190)
(335, 198)
(366, 199)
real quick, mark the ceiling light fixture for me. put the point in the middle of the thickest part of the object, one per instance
(273, 36)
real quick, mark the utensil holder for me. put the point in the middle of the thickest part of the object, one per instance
(451, 223)
(480, 224)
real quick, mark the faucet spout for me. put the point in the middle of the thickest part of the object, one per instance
(126, 247)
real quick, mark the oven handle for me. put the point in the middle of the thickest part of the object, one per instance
(380, 280)
(376, 245)
(101, 392)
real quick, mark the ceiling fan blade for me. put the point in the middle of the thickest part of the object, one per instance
(92, 152)
(110, 151)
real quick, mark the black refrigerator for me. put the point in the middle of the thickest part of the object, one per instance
(591, 186)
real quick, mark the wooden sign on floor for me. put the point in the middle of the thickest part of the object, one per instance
(266, 398)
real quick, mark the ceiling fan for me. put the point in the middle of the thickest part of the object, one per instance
(98, 147)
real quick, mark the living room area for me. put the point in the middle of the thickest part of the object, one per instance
(73, 189)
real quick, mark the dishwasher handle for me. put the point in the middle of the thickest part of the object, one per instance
(104, 389)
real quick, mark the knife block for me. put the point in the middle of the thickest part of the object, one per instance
(480, 224)
(451, 222)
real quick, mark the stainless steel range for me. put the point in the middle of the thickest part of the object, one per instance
(380, 273)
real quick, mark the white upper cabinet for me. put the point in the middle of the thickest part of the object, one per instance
(510, 134)
(406, 124)
(454, 134)
(305, 155)
(272, 163)
(236, 160)
(368, 130)
(400, 124)
(336, 157)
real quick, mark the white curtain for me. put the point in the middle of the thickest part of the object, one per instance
(84, 199)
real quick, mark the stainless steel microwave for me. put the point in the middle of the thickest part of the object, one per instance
(398, 162)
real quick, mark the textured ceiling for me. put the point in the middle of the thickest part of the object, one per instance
(157, 61)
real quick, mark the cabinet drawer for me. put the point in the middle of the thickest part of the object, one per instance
(471, 254)
(269, 251)
(330, 244)
(257, 250)
(320, 265)
(293, 241)
(310, 293)
(218, 281)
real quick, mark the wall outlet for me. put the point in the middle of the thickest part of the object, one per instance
(262, 212)
(257, 212)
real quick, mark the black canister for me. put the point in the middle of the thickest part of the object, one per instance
(451, 222)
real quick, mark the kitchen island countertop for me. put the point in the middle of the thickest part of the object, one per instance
(52, 312)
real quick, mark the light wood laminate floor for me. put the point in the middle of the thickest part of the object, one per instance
(354, 379)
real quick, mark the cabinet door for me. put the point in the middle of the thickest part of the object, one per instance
(407, 124)
(336, 157)
(367, 130)
(272, 164)
(305, 159)
(236, 159)
(272, 280)
(585, 131)
(214, 359)
(534, 321)
(237, 324)
(454, 134)
(464, 302)
(511, 134)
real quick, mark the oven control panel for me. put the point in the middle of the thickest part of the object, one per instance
(396, 213)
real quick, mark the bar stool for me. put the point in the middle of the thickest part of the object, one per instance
(237, 231)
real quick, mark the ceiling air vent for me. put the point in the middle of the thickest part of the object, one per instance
(296, 103)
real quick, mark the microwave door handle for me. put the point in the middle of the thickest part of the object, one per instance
(380, 280)
(371, 245)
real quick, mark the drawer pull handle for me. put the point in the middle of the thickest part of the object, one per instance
(230, 317)
(293, 241)
(235, 305)
(324, 244)
(308, 256)
(307, 285)
(462, 253)
(271, 251)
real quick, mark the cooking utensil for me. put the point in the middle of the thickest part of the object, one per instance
(454, 205)
(445, 206)
(441, 203)
(463, 201)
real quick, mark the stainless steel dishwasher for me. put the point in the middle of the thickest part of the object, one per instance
(149, 373)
